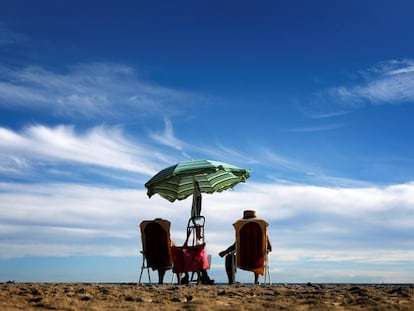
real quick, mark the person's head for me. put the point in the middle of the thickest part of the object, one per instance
(249, 214)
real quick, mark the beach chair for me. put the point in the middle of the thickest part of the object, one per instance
(252, 247)
(156, 246)
(191, 257)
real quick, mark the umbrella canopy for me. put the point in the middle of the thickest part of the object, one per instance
(177, 182)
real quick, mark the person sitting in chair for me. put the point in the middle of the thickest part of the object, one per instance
(231, 255)
(156, 243)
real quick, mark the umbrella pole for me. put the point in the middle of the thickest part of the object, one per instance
(196, 206)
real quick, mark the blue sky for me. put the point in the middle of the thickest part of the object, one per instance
(314, 97)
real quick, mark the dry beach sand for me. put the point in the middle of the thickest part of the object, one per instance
(74, 296)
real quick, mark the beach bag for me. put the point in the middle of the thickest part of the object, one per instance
(189, 258)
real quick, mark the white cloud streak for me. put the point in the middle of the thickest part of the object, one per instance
(90, 91)
(386, 83)
(313, 129)
(167, 137)
(191, 151)
(100, 146)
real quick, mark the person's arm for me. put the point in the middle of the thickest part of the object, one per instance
(269, 245)
(228, 250)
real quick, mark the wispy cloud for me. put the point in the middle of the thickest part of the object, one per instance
(311, 129)
(388, 82)
(215, 151)
(273, 158)
(100, 146)
(330, 114)
(55, 151)
(167, 137)
(90, 91)
(226, 153)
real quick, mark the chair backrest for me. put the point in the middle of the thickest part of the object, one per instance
(251, 244)
(156, 242)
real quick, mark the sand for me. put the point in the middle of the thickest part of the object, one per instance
(71, 296)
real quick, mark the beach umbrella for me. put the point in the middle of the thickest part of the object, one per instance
(183, 179)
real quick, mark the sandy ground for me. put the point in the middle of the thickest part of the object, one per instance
(70, 296)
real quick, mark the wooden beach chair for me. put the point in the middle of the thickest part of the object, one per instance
(252, 247)
(156, 246)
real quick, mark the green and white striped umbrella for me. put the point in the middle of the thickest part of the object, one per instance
(177, 182)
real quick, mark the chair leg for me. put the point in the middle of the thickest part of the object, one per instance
(140, 275)
(142, 269)
(144, 266)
